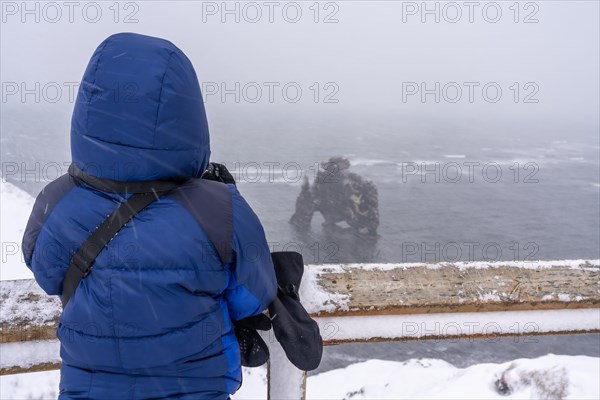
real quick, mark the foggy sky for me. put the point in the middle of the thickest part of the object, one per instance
(367, 54)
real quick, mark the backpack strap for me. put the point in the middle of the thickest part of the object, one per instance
(81, 263)
(144, 193)
(113, 186)
(209, 203)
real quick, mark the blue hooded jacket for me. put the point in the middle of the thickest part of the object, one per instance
(154, 319)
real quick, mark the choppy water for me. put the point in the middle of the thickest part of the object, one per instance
(462, 352)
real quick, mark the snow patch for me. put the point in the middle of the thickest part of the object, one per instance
(315, 299)
(14, 214)
(27, 354)
(15, 310)
(459, 324)
(593, 265)
(490, 297)
(551, 376)
(547, 377)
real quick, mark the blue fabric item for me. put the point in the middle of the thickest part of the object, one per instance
(139, 93)
(154, 319)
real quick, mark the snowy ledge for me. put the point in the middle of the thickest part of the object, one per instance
(329, 290)
(367, 289)
(372, 302)
(27, 312)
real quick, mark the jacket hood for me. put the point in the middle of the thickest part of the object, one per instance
(139, 113)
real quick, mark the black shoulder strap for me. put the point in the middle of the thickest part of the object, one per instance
(210, 204)
(81, 263)
(214, 198)
(113, 186)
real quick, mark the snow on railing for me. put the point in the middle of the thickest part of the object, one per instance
(367, 303)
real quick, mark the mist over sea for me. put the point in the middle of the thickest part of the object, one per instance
(448, 190)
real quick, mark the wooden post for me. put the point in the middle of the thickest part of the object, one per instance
(284, 380)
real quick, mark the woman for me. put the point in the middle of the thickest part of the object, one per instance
(154, 316)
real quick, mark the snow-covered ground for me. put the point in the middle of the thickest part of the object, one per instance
(547, 377)
(15, 207)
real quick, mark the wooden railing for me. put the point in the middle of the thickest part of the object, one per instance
(367, 303)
